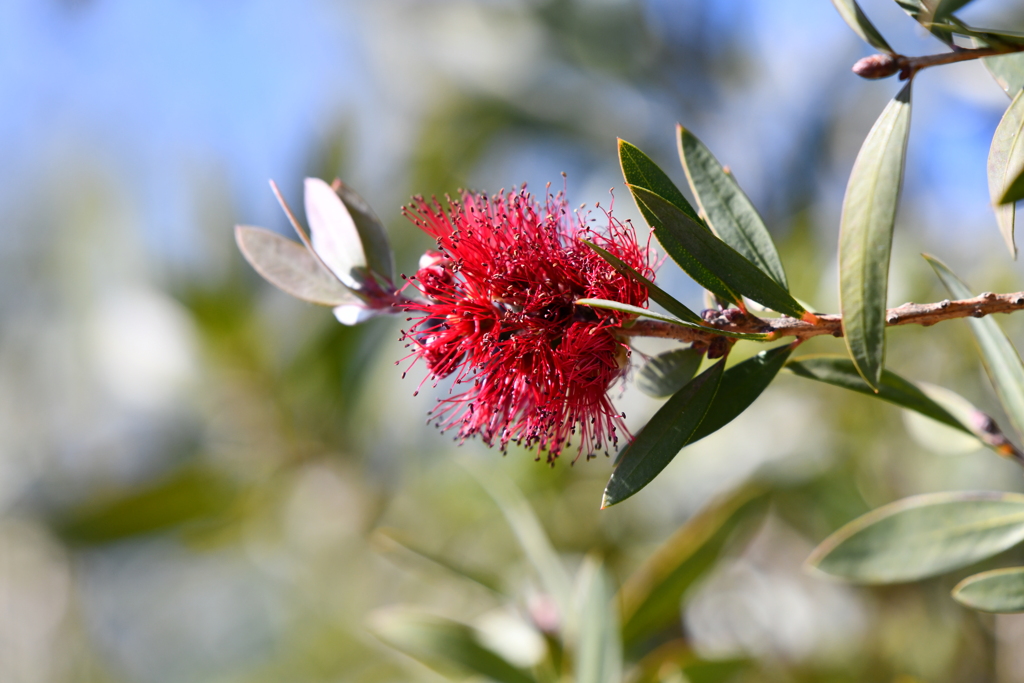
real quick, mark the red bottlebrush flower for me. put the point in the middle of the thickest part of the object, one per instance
(500, 319)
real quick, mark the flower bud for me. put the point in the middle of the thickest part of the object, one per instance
(876, 66)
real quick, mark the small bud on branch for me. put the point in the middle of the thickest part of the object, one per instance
(885, 65)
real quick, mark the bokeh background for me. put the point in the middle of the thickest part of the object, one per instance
(202, 479)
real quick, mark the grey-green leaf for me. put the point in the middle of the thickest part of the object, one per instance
(1005, 164)
(663, 436)
(658, 295)
(291, 267)
(647, 313)
(840, 371)
(668, 372)
(380, 258)
(728, 211)
(855, 18)
(638, 169)
(711, 262)
(1008, 70)
(922, 536)
(999, 590)
(447, 646)
(1000, 358)
(865, 237)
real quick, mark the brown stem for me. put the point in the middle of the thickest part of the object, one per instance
(884, 65)
(907, 314)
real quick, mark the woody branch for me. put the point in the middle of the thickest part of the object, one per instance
(907, 314)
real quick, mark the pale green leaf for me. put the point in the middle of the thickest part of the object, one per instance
(922, 536)
(1005, 164)
(291, 267)
(999, 590)
(855, 18)
(865, 237)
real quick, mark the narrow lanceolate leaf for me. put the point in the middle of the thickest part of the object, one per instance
(647, 313)
(291, 267)
(662, 438)
(865, 236)
(926, 12)
(638, 169)
(711, 262)
(922, 536)
(726, 208)
(1008, 70)
(999, 590)
(1005, 164)
(1000, 358)
(741, 385)
(599, 647)
(651, 596)
(658, 295)
(668, 372)
(839, 371)
(450, 647)
(334, 235)
(855, 18)
(379, 257)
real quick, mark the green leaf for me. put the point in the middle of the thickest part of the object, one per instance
(188, 496)
(651, 596)
(727, 209)
(1008, 70)
(648, 313)
(291, 267)
(668, 372)
(999, 590)
(865, 236)
(926, 13)
(336, 236)
(1005, 164)
(379, 256)
(663, 436)
(447, 646)
(711, 262)
(1001, 361)
(741, 385)
(658, 295)
(599, 648)
(840, 371)
(855, 18)
(922, 536)
(530, 534)
(638, 169)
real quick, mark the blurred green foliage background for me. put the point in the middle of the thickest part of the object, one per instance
(202, 479)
